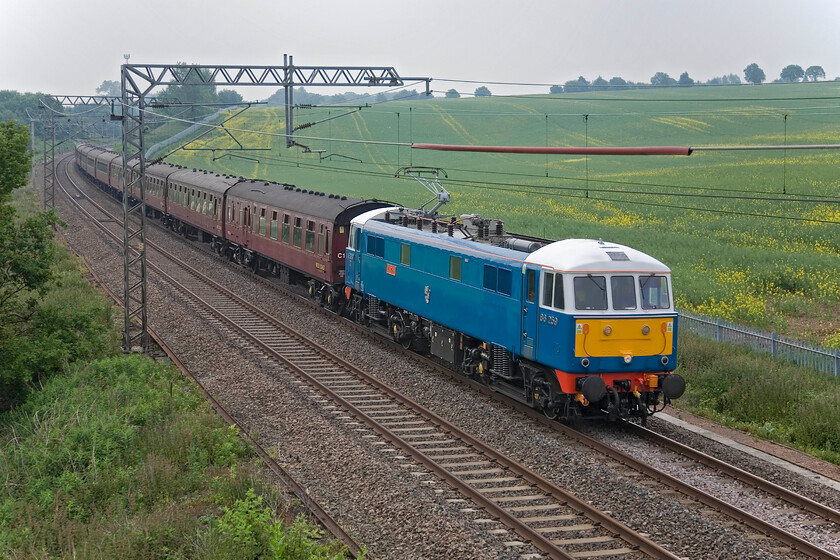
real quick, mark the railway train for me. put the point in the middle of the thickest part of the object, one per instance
(577, 328)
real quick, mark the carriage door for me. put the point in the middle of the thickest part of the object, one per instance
(530, 312)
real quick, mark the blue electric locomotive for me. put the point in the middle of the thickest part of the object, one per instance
(575, 327)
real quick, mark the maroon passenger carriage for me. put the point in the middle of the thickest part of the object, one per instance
(295, 234)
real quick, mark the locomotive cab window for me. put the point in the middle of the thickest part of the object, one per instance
(590, 292)
(654, 292)
(552, 290)
(351, 241)
(623, 292)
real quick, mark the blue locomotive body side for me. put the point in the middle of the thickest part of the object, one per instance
(472, 288)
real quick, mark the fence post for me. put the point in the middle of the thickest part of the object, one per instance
(773, 344)
(836, 362)
(719, 332)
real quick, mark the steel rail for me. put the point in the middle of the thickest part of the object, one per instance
(310, 505)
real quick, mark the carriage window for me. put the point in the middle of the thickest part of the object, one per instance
(321, 239)
(654, 292)
(285, 228)
(262, 221)
(273, 232)
(297, 234)
(455, 268)
(623, 292)
(327, 243)
(310, 236)
(590, 292)
(405, 254)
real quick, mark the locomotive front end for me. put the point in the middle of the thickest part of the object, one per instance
(607, 328)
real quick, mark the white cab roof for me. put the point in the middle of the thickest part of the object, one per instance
(589, 255)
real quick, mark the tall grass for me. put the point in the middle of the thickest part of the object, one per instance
(121, 459)
(767, 397)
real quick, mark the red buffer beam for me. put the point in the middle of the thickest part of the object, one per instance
(560, 150)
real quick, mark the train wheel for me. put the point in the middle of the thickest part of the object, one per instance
(551, 412)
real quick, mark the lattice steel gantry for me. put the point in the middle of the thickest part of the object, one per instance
(136, 82)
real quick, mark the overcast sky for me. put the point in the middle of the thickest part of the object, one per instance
(65, 47)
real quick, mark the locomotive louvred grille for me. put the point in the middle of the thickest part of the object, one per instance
(618, 256)
(373, 306)
(501, 361)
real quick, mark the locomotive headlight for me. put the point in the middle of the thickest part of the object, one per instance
(646, 330)
(608, 330)
(627, 358)
(585, 362)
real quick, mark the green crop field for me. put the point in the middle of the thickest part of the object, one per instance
(751, 236)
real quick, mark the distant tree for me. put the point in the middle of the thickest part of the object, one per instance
(600, 83)
(452, 94)
(482, 92)
(814, 73)
(662, 79)
(753, 74)
(685, 80)
(229, 96)
(556, 89)
(110, 88)
(618, 83)
(728, 79)
(575, 86)
(792, 73)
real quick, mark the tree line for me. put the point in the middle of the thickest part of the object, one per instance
(753, 74)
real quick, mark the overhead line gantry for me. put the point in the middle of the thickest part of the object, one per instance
(136, 83)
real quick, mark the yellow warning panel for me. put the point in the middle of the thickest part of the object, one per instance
(616, 336)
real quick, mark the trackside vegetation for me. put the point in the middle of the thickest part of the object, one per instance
(122, 458)
(767, 397)
(109, 456)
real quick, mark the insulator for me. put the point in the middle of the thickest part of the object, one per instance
(405, 221)
(500, 227)
(419, 223)
(387, 217)
(450, 229)
(434, 226)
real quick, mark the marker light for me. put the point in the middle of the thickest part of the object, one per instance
(627, 358)
(645, 330)
(608, 330)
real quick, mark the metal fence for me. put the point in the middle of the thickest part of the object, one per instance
(826, 360)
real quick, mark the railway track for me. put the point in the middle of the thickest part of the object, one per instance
(813, 516)
(542, 514)
(447, 454)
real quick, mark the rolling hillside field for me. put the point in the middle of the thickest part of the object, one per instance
(751, 236)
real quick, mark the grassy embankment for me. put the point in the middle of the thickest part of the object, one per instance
(120, 457)
(731, 257)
